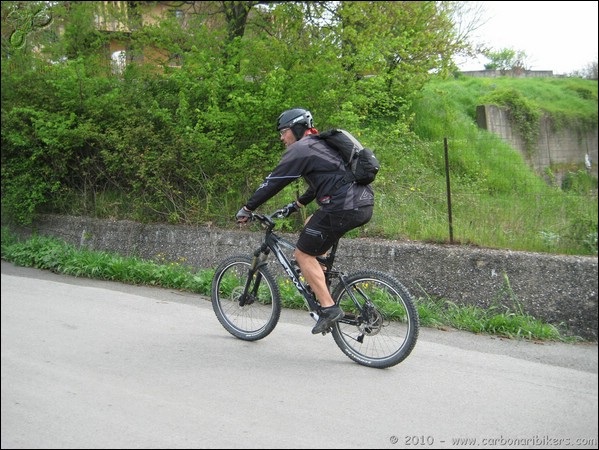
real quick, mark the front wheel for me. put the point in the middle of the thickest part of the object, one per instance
(381, 323)
(249, 315)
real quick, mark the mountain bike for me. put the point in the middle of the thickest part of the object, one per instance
(380, 326)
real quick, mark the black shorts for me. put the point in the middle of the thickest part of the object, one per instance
(325, 228)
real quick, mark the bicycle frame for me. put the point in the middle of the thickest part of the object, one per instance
(275, 244)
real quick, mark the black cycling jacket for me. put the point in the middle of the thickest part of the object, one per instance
(321, 167)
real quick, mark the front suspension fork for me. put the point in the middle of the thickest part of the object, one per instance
(259, 260)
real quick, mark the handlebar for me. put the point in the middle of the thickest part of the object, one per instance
(267, 219)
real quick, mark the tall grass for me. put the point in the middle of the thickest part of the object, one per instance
(497, 199)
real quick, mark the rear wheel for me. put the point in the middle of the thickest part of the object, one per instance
(381, 323)
(250, 317)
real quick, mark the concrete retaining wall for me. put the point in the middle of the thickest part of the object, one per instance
(563, 148)
(509, 73)
(557, 289)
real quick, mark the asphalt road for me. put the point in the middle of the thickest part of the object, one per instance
(94, 364)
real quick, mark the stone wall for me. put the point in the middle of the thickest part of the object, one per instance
(557, 289)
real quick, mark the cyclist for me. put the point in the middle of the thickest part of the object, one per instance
(340, 210)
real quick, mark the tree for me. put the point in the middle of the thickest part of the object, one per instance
(590, 71)
(506, 59)
(152, 131)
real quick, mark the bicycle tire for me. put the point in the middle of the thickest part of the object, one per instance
(387, 333)
(254, 320)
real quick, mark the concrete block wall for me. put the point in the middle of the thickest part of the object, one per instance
(556, 289)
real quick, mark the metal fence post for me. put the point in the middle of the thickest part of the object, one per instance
(448, 191)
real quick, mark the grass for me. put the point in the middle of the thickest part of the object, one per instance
(494, 320)
(57, 256)
(498, 200)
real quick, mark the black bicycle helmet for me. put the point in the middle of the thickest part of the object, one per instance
(298, 119)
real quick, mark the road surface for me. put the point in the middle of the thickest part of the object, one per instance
(96, 364)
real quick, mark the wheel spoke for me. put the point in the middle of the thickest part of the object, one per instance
(385, 328)
(256, 316)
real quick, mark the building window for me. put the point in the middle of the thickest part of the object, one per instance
(118, 62)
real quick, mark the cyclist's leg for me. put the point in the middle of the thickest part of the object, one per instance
(318, 236)
(314, 275)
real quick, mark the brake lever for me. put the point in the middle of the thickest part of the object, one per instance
(279, 214)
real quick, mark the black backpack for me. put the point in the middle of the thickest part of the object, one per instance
(360, 161)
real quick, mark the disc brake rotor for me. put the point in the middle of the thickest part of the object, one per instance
(374, 324)
(236, 294)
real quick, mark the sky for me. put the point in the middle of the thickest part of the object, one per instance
(554, 35)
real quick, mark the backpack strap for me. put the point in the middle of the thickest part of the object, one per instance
(347, 178)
